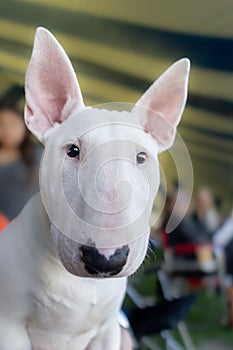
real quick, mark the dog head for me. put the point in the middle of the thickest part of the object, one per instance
(100, 172)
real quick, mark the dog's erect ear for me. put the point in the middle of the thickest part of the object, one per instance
(51, 87)
(164, 103)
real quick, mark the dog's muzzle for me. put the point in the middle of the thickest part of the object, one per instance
(97, 264)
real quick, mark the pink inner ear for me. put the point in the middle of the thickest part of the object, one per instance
(164, 102)
(160, 129)
(52, 90)
(38, 126)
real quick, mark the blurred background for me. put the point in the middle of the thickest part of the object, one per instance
(118, 48)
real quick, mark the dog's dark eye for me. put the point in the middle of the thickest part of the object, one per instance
(73, 151)
(141, 157)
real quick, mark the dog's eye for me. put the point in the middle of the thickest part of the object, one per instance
(141, 157)
(73, 151)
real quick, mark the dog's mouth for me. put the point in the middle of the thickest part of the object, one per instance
(86, 260)
(96, 263)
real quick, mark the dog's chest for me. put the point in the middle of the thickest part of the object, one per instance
(72, 307)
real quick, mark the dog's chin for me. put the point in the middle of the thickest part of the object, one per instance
(69, 254)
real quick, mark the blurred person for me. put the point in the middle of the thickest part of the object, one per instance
(223, 244)
(205, 213)
(188, 230)
(224, 234)
(223, 247)
(188, 241)
(19, 158)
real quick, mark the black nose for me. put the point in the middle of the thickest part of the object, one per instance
(96, 263)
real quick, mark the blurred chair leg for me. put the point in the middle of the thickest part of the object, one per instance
(165, 285)
(182, 328)
(149, 343)
(171, 343)
(184, 333)
(221, 263)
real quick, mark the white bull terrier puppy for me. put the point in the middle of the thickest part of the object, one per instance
(64, 263)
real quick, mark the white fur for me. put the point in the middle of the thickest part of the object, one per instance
(104, 199)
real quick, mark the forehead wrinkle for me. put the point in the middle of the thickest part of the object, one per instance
(98, 136)
(122, 132)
